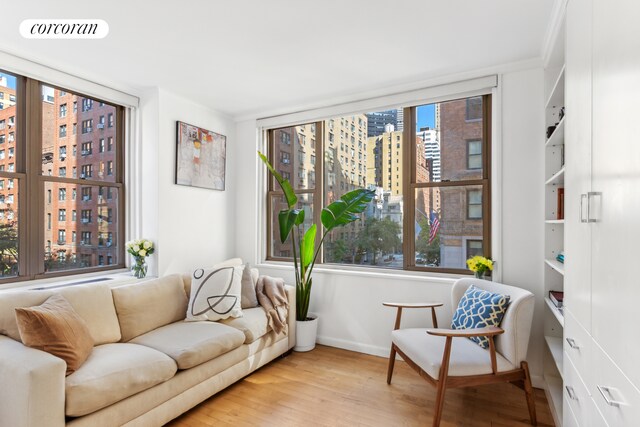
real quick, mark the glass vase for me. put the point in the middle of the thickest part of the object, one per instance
(139, 268)
(479, 274)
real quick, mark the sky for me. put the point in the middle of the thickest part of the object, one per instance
(11, 80)
(426, 116)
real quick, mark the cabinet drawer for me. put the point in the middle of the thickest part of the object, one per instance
(576, 393)
(568, 418)
(577, 345)
(616, 398)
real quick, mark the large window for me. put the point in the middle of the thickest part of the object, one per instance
(42, 192)
(428, 165)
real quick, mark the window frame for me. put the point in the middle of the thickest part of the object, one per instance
(316, 192)
(32, 194)
(409, 182)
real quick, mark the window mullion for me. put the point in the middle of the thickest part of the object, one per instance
(409, 167)
(318, 195)
(33, 227)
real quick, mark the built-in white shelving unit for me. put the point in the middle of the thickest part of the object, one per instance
(554, 173)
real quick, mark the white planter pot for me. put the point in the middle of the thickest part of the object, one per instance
(306, 332)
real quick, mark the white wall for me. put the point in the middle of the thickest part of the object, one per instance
(350, 304)
(190, 226)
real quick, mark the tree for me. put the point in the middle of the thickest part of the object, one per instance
(379, 236)
(429, 251)
(8, 249)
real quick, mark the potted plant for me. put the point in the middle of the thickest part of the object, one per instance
(304, 249)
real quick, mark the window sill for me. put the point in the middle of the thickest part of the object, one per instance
(368, 272)
(112, 278)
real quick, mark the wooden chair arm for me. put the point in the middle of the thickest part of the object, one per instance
(401, 305)
(467, 333)
(413, 304)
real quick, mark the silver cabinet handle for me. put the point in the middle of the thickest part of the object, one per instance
(582, 199)
(606, 395)
(590, 195)
(572, 343)
(571, 392)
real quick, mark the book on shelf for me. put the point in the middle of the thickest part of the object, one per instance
(560, 210)
(556, 298)
(560, 257)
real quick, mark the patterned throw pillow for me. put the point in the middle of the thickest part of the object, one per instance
(215, 293)
(479, 309)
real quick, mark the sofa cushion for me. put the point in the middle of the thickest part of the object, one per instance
(92, 302)
(192, 343)
(253, 323)
(56, 328)
(114, 372)
(249, 280)
(467, 358)
(143, 307)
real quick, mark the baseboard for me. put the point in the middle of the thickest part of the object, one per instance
(538, 382)
(353, 346)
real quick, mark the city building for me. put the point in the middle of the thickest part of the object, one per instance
(461, 210)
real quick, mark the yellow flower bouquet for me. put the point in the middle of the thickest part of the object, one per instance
(480, 265)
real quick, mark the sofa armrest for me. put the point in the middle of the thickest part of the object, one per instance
(291, 321)
(33, 386)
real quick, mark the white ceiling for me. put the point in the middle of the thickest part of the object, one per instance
(249, 56)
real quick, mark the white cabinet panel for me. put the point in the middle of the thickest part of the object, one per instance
(616, 175)
(616, 398)
(568, 419)
(577, 345)
(575, 392)
(577, 285)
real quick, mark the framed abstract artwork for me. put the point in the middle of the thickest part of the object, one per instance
(200, 157)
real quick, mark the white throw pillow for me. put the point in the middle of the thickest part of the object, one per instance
(215, 293)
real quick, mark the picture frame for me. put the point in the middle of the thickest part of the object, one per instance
(200, 157)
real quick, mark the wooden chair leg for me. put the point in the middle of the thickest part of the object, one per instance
(442, 383)
(528, 390)
(392, 362)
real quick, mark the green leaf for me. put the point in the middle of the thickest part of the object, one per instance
(307, 246)
(344, 210)
(287, 189)
(287, 218)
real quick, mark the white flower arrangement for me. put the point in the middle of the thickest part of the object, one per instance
(140, 248)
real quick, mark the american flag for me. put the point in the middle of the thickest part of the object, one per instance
(434, 222)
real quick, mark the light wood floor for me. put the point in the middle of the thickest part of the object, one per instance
(333, 387)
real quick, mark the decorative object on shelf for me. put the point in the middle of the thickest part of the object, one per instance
(562, 155)
(480, 265)
(556, 297)
(560, 210)
(550, 131)
(561, 113)
(560, 257)
(200, 157)
(140, 249)
(343, 211)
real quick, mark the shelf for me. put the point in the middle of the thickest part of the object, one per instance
(558, 315)
(554, 397)
(554, 221)
(556, 265)
(557, 137)
(556, 97)
(557, 178)
(555, 347)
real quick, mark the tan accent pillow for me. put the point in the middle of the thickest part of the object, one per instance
(249, 298)
(56, 328)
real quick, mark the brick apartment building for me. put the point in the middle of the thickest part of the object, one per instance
(461, 135)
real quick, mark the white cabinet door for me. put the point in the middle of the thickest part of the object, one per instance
(616, 174)
(577, 245)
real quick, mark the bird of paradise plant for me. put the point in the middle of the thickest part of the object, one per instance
(343, 211)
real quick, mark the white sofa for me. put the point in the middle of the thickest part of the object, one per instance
(147, 367)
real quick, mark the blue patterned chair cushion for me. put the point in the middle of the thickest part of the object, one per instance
(479, 309)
